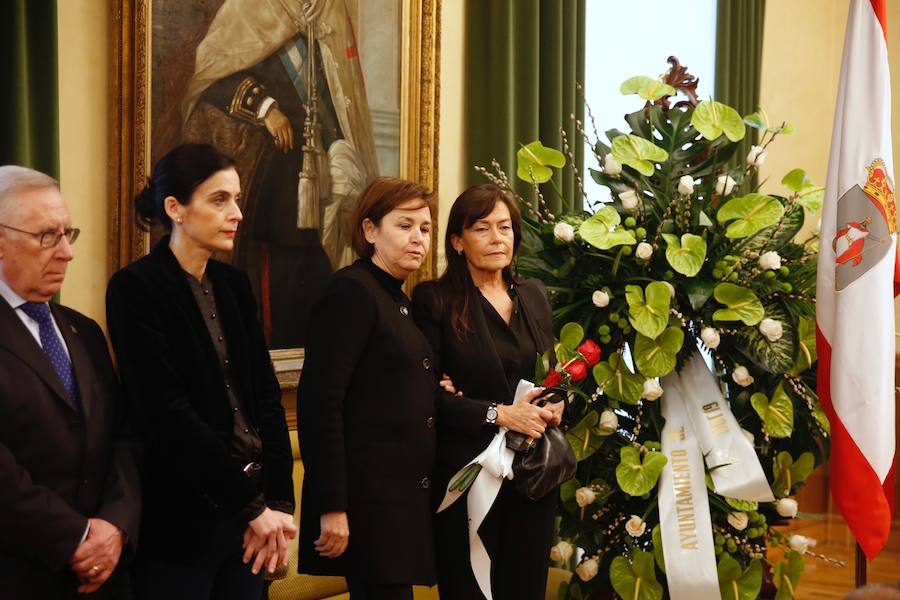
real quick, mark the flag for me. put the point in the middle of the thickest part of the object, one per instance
(855, 283)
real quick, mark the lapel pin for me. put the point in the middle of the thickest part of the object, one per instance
(72, 327)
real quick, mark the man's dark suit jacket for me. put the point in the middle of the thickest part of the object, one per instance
(58, 465)
(175, 386)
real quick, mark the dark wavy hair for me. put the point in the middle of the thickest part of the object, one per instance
(455, 284)
(177, 174)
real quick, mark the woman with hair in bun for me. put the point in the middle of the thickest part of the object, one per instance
(218, 495)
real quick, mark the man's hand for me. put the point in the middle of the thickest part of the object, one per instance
(280, 128)
(335, 534)
(266, 539)
(97, 556)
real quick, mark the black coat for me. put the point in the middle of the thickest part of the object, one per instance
(58, 465)
(176, 389)
(367, 430)
(474, 366)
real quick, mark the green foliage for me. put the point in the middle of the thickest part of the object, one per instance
(602, 230)
(749, 214)
(656, 357)
(686, 255)
(712, 119)
(648, 310)
(790, 473)
(742, 303)
(635, 579)
(736, 583)
(617, 380)
(637, 153)
(777, 414)
(586, 437)
(786, 575)
(535, 161)
(646, 87)
(636, 477)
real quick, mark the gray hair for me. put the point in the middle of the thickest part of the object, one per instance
(15, 180)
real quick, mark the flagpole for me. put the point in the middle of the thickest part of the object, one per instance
(860, 567)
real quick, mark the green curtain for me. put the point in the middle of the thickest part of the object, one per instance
(739, 43)
(29, 104)
(523, 59)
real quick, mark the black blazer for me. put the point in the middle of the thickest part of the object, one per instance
(474, 367)
(175, 387)
(58, 465)
(367, 430)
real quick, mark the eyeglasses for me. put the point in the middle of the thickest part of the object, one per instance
(50, 239)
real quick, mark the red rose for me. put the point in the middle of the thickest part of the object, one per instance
(590, 351)
(577, 370)
(553, 379)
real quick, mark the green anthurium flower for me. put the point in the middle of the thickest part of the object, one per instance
(636, 477)
(648, 310)
(646, 87)
(637, 153)
(571, 335)
(617, 380)
(737, 584)
(656, 357)
(658, 553)
(742, 505)
(789, 472)
(535, 160)
(686, 255)
(586, 437)
(777, 414)
(786, 575)
(712, 119)
(809, 195)
(635, 580)
(602, 230)
(742, 303)
(749, 214)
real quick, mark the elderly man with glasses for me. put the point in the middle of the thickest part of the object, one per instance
(69, 497)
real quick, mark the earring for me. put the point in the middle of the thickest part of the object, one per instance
(178, 220)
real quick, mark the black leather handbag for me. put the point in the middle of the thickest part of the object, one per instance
(541, 467)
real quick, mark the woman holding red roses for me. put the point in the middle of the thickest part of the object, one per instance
(366, 413)
(487, 327)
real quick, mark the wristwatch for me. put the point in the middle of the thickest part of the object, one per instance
(490, 418)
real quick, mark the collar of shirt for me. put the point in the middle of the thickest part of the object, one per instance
(16, 301)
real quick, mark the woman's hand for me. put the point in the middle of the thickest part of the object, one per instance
(448, 386)
(524, 417)
(556, 409)
(266, 539)
(335, 534)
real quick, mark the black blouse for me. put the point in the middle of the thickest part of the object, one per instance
(513, 342)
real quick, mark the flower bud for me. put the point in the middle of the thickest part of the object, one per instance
(611, 166)
(635, 526)
(600, 298)
(787, 507)
(771, 328)
(644, 251)
(629, 200)
(724, 185)
(608, 420)
(770, 260)
(686, 185)
(652, 390)
(564, 232)
(756, 157)
(710, 337)
(801, 543)
(587, 569)
(584, 496)
(742, 376)
(562, 552)
(738, 520)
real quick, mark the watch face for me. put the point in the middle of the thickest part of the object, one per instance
(492, 414)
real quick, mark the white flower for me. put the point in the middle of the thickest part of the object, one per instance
(801, 543)
(742, 376)
(564, 232)
(629, 200)
(770, 260)
(771, 328)
(584, 496)
(756, 156)
(562, 552)
(738, 520)
(587, 569)
(652, 389)
(724, 185)
(787, 507)
(671, 288)
(635, 526)
(608, 420)
(611, 166)
(710, 337)
(644, 251)
(748, 435)
(686, 185)
(600, 298)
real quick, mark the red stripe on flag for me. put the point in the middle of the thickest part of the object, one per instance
(865, 503)
(897, 271)
(880, 8)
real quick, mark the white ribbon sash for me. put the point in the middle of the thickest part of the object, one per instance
(496, 464)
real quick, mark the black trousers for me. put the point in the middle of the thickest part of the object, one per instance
(216, 574)
(360, 590)
(517, 533)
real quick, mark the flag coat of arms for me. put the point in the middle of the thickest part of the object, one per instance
(855, 286)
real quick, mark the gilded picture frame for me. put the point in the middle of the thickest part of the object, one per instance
(132, 149)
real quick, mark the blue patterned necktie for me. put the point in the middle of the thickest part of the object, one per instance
(53, 347)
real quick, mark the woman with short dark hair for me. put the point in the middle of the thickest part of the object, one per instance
(217, 485)
(487, 327)
(365, 408)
